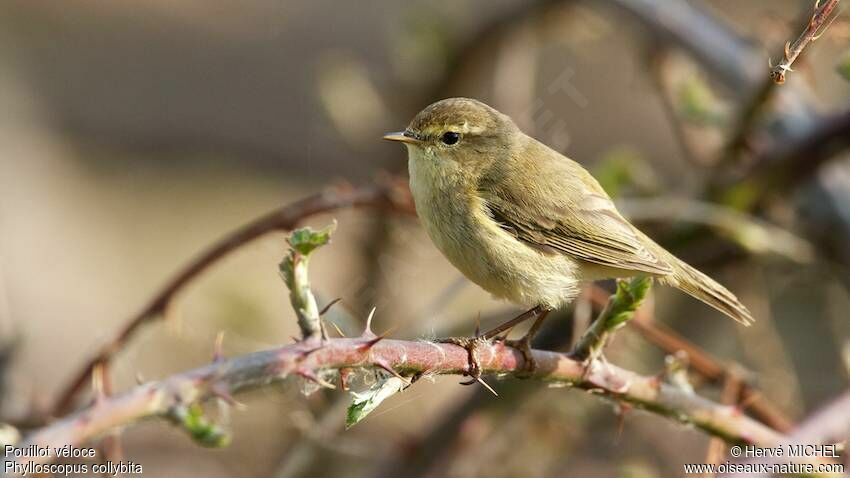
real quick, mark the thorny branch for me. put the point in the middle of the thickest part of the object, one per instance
(227, 377)
(178, 398)
(384, 194)
(754, 107)
(814, 29)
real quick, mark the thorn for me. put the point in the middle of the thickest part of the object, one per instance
(369, 343)
(486, 385)
(338, 330)
(478, 325)
(139, 378)
(217, 347)
(787, 50)
(621, 409)
(386, 367)
(344, 374)
(367, 332)
(389, 331)
(311, 376)
(375, 339)
(326, 308)
(219, 391)
(97, 379)
(308, 352)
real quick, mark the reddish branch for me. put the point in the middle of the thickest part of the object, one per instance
(702, 363)
(814, 29)
(386, 194)
(305, 359)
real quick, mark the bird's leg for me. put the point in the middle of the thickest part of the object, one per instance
(524, 344)
(532, 312)
(471, 343)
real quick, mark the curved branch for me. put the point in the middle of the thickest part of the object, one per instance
(306, 359)
(792, 163)
(385, 194)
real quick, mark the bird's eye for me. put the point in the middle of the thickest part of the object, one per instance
(450, 138)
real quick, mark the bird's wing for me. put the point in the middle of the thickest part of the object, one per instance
(565, 211)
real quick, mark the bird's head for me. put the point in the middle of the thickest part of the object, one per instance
(462, 130)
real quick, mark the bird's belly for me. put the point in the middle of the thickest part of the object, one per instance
(492, 258)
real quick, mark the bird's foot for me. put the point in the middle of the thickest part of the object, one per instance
(472, 346)
(524, 345)
(529, 365)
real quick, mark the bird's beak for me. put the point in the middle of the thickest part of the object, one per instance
(402, 136)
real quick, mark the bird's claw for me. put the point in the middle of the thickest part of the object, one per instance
(529, 365)
(471, 345)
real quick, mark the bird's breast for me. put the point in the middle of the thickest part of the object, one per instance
(456, 220)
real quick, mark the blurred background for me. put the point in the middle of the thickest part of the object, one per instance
(134, 135)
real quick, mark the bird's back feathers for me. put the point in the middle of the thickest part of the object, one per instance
(582, 222)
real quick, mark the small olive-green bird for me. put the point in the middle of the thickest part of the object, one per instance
(525, 222)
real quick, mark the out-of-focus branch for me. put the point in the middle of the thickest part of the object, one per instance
(753, 234)
(816, 26)
(383, 195)
(828, 426)
(795, 161)
(728, 396)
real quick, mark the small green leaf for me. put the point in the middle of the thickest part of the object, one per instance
(305, 240)
(627, 299)
(204, 432)
(363, 403)
(698, 104)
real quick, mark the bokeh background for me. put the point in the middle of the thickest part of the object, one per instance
(132, 135)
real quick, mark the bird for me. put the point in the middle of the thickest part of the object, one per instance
(523, 221)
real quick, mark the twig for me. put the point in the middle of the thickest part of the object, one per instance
(293, 268)
(702, 363)
(728, 396)
(754, 107)
(385, 194)
(619, 309)
(814, 29)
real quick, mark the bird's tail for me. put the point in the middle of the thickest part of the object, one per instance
(700, 286)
